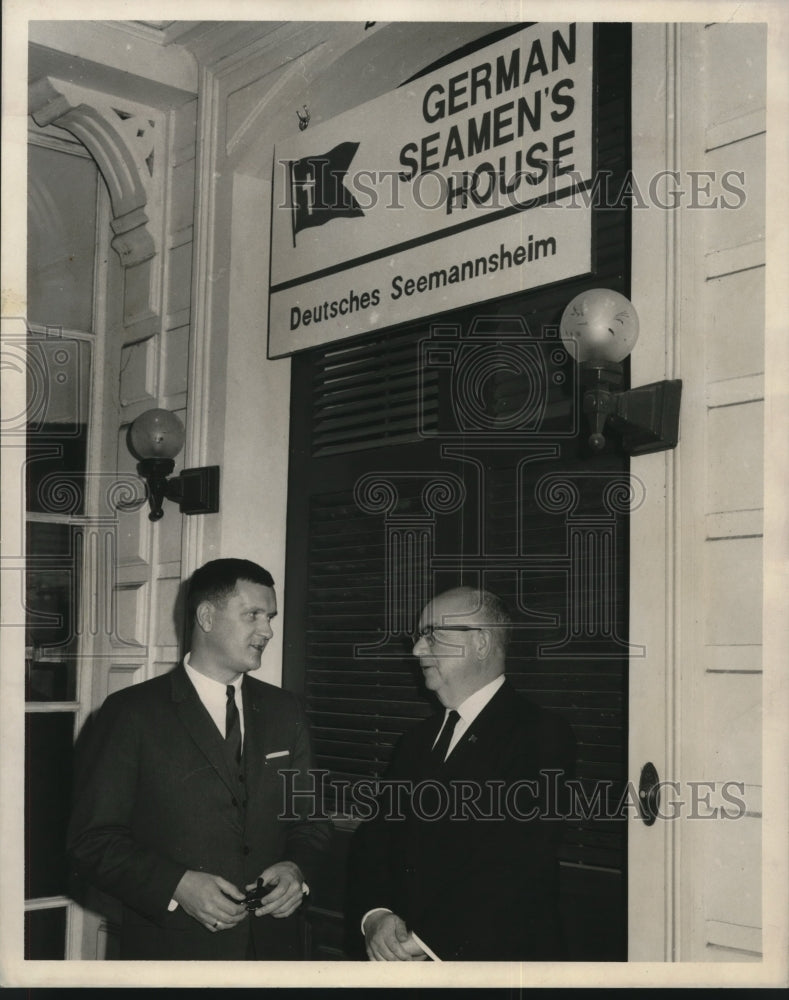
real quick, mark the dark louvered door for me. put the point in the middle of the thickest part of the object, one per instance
(423, 457)
(358, 552)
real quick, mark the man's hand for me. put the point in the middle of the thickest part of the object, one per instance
(387, 939)
(205, 897)
(286, 896)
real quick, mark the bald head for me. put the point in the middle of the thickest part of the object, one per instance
(484, 608)
(462, 642)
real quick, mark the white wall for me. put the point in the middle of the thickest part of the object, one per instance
(722, 486)
(696, 548)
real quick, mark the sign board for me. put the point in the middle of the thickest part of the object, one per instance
(462, 186)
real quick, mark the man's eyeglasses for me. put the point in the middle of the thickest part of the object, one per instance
(427, 633)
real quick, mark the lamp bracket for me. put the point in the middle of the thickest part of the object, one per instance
(648, 417)
(196, 491)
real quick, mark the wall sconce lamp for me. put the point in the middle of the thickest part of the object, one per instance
(599, 328)
(155, 438)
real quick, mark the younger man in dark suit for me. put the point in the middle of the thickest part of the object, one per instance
(180, 805)
(469, 871)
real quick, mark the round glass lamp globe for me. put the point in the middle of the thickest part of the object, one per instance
(599, 325)
(157, 434)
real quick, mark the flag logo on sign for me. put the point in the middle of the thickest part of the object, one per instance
(317, 192)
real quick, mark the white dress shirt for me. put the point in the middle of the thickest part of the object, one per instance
(213, 695)
(469, 710)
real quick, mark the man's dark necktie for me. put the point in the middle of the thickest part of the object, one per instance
(441, 747)
(232, 724)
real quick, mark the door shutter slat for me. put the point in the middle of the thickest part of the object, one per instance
(372, 392)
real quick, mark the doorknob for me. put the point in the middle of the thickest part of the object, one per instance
(649, 793)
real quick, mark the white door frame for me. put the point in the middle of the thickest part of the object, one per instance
(653, 851)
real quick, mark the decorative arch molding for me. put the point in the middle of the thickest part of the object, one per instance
(126, 142)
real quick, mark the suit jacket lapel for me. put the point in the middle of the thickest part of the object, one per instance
(423, 752)
(255, 728)
(484, 731)
(200, 726)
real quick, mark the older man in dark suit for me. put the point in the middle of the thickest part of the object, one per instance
(180, 804)
(469, 869)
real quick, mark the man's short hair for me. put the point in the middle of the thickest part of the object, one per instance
(216, 581)
(495, 612)
(492, 610)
